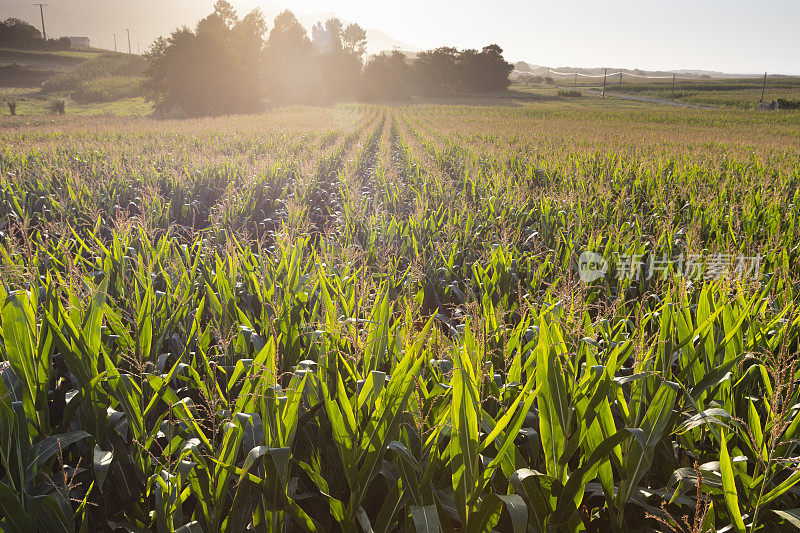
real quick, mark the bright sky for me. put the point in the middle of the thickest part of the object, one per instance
(735, 36)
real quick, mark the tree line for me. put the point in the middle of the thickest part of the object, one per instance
(16, 33)
(230, 64)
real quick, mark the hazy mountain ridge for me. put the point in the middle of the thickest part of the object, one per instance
(522, 68)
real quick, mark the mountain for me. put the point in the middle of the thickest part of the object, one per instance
(523, 68)
(377, 40)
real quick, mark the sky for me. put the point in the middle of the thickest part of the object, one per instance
(733, 36)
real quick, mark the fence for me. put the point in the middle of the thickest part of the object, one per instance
(611, 79)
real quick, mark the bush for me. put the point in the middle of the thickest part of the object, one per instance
(12, 106)
(108, 89)
(570, 94)
(58, 106)
(788, 104)
(103, 66)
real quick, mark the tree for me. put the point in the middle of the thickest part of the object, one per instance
(386, 75)
(288, 60)
(320, 38)
(435, 72)
(16, 33)
(354, 40)
(340, 62)
(333, 27)
(211, 70)
(494, 69)
(447, 71)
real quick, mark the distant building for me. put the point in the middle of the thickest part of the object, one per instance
(768, 106)
(79, 42)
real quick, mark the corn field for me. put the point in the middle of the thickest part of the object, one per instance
(370, 318)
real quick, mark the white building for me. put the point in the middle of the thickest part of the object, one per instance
(79, 42)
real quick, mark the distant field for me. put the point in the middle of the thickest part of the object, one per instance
(733, 93)
(91, 82)
(514, 313)
(44, 59)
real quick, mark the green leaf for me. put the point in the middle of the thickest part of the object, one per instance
(191, 527)
(425, 518)
(16, 519)
(790, 515)
(102, 461)
(638, 459)
(729, 487)
(42, 451)
(491, 508)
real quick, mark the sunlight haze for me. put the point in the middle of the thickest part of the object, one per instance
(734, 36)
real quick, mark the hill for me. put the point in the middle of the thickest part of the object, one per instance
(522, 68)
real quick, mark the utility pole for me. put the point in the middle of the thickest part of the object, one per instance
(620, 79)
(764, 87)
(673, 86)
(576, 78)
(115, 42)
(605, 74)
(41, 12)
(138, 50)
(129, 40)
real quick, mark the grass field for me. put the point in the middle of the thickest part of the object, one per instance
(723, 93)
(382, 318)
(92, 83)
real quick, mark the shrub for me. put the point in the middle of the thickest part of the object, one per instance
(570, 94)
(788, 104)
(103, 66)
(58, 106)
(12, 106)
(108, 89)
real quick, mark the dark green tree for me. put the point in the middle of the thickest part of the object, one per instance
(386, 75)
(212, 70)
(340, 62)
(289, 60)
(16, 33)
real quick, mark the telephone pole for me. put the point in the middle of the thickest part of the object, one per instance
(129, 40)
(620, 79)
(576, 79)
(41, 12)
(605, 74)
(673, 87)
(115, 42)
(764, 87)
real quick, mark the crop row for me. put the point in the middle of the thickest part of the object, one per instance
(372, 318)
